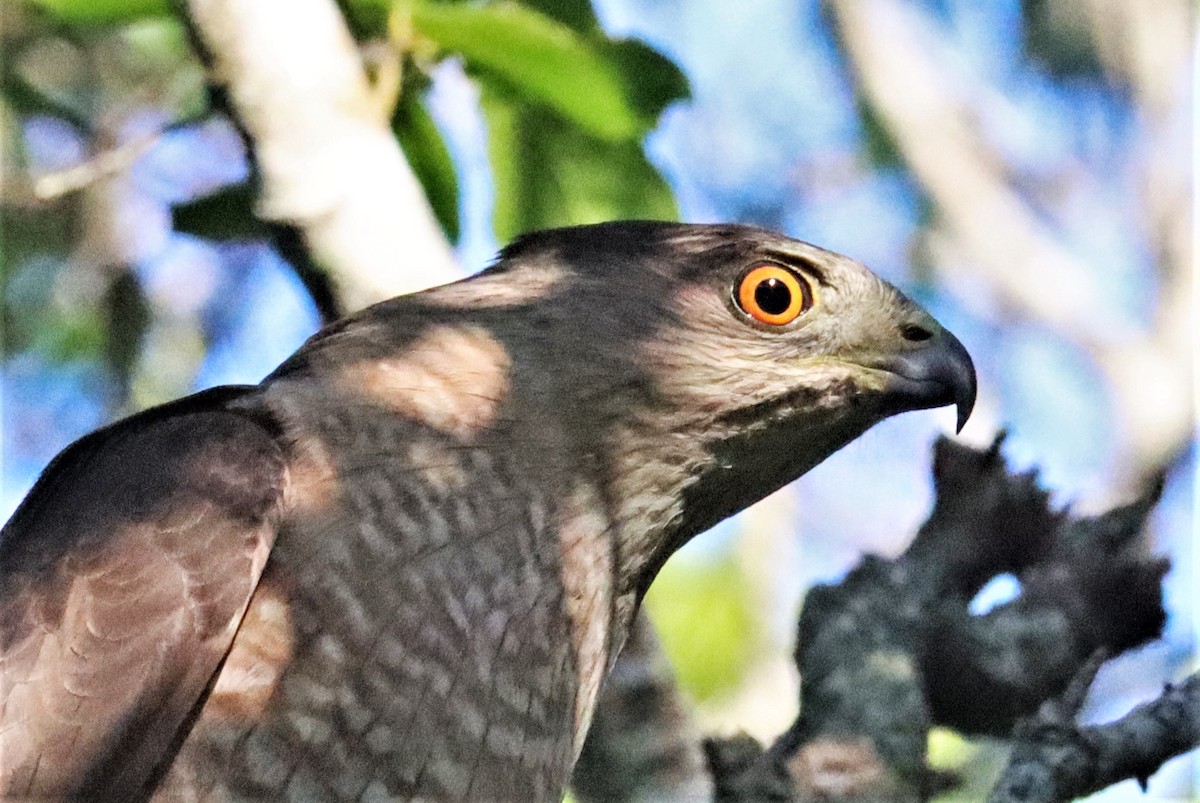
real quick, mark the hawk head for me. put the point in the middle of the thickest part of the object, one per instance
(698, 368)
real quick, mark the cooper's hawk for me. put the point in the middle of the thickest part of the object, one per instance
(401, 565)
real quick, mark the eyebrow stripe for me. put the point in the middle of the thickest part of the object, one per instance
(796, 262)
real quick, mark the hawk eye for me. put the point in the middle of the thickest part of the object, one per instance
(773, 294)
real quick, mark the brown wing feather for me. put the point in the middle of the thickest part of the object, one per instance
(123, 578)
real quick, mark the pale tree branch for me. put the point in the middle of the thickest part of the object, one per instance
(327, 161)
(1146, 47)
(926, 110)
(928, 107)
(1142, 45)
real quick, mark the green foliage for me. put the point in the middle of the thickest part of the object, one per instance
(975, 764)
(227, 214)
(544, 62)
(103, 12)
(549, 173)
(429, 158)
(64, 337)
(566, 110)
(33, 321)
(704, 613)
(575, 14)
(651, 80)
(155, 56)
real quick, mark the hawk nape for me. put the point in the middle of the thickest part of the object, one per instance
(402, 564)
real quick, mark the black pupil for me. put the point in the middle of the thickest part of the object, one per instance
(772, 296)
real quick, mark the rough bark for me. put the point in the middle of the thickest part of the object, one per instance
(893, 650)
(1055, 759)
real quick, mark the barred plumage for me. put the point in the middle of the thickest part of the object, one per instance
(463, 495)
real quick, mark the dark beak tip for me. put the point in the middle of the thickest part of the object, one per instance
(964, 413)
(965, 386)
(963, 379)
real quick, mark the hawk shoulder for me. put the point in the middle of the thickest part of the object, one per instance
(123, 578)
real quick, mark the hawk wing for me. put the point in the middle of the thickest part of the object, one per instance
(123, 578)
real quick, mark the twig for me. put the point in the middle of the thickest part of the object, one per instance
(51, 186)
(1054, 759)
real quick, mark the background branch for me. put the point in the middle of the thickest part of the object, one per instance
(990, 231)
(325, 155)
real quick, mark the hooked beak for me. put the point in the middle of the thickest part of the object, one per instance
(935, 372)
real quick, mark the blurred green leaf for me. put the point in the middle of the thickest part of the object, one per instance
(702, 610)
(227, 214)
(575, 14)
(152, 46)
(975, 764)
(14, 158)
(103, 12)
(429, 158)
(154, 54)
(948, 749)
(370, 17)
(67, 338)
(33, 319)
(652, 81)
(366, 18)
(549, 173)
(34, 244)
(566, 109)
(538, 59)
(880, 146)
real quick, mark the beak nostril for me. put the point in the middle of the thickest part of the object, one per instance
(915, 333)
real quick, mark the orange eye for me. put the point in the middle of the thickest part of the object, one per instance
(773, 294)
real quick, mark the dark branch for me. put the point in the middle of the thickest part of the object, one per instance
(1053, 759)
(1094, 589)
(893, 649)
(289, 240)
